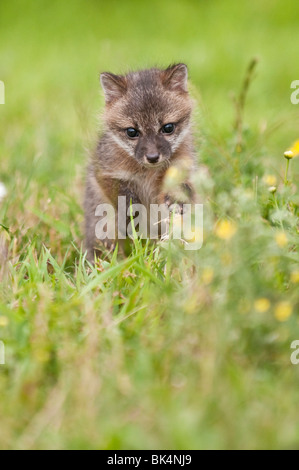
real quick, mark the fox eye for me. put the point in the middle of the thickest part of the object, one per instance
(168, 128)
(132, 133)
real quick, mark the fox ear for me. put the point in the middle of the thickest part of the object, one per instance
(175, 77)
(114, 86)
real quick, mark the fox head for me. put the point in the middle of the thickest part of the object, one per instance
(147, 113)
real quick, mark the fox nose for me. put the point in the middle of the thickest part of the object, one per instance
(152, 157)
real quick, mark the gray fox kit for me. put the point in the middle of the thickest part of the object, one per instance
(146, 131)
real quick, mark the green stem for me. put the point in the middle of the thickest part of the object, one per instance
(277, 207)
(287, 171)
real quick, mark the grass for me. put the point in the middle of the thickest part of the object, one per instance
(168, 349)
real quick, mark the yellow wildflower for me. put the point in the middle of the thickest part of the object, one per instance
(3, 321)
(226, 259)
(295, 277)
(283, 311)
(191, 306)
(270, 180)
(225, 229)
(172, 173)
(194, 237)
(207, 276)
(41, 355)
(281, 239)
(272, 189)
(262, 305)
(289, 154)
(295, 148)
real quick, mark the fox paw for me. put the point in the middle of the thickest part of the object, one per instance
(174, 207)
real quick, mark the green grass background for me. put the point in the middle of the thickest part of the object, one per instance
(149, 352)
